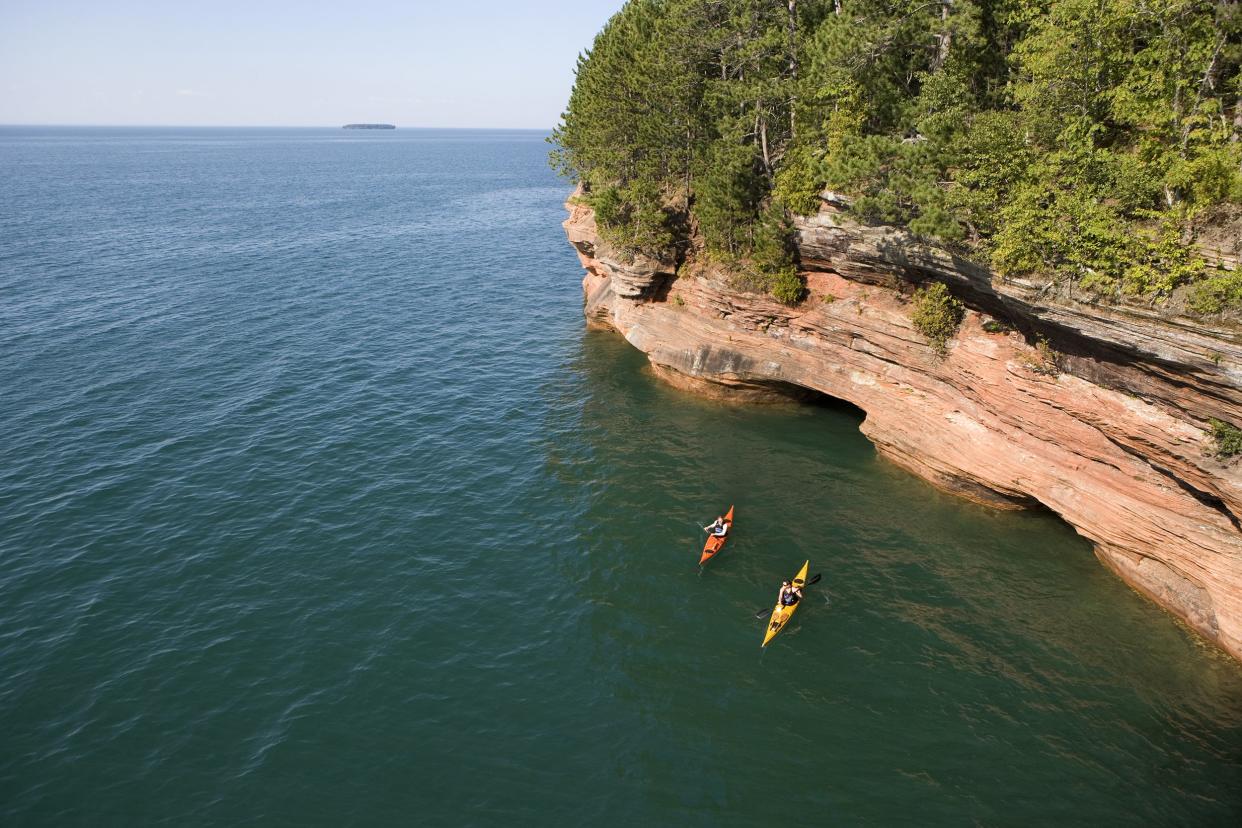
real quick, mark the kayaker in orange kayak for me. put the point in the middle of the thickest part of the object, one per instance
(717, 534)
(717, 529)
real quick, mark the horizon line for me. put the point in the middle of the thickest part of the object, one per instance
(262, 126)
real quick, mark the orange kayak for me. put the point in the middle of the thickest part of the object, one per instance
(715, 544)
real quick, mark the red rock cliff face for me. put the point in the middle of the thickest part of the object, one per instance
(1105, 425)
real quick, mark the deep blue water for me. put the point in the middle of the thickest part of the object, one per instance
(319, 506)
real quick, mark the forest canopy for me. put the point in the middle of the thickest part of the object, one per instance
(1079, 140)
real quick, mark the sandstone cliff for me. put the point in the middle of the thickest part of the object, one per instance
(1104, 423)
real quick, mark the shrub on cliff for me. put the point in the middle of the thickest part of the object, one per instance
(1228, 438)
(937, 315)
(787, 286)
(766, 262)
(772, 255)
(1218, 293)
(630, 222)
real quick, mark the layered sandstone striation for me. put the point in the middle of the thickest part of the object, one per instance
(1098, 413)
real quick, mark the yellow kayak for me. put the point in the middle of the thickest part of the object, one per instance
(782, 614)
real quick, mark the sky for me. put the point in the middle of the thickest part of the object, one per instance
(414, 63)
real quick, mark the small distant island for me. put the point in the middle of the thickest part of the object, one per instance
(369, 126)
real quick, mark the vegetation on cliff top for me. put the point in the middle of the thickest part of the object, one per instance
(1075, 139)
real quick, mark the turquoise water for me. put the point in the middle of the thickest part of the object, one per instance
(319, 506)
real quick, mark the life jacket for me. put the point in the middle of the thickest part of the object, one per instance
(788, 597)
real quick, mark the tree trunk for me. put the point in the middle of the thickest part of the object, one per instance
(1207, 82)
(689, 162)
(761, 125)
(793, 66)
(944, 40)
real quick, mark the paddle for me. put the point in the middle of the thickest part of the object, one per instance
(814, 580)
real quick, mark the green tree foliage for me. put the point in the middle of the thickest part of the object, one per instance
(1217, 293)
(1076, 140)
(683, 108)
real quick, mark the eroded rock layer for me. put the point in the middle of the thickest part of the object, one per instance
(1097, 413)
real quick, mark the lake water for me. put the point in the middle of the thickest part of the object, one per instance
(319, 506)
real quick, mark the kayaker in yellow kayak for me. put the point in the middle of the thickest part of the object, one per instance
(718, 529)
(789, 594)
(787, 601)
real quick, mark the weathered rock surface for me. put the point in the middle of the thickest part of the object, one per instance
(1104, 425)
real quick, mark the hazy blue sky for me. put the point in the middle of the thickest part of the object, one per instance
(279, 62)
